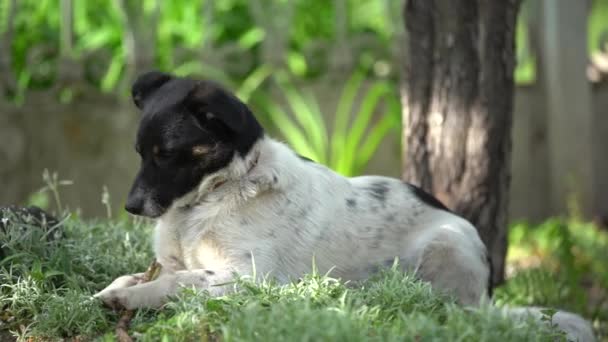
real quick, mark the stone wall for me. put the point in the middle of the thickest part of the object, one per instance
(90, 141)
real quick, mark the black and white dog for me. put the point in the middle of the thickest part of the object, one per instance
(226, 197)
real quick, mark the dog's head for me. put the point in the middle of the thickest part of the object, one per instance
(189, 129)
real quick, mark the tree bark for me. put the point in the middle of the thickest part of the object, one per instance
(458, 109)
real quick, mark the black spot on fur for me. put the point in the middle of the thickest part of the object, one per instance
(351, 203)
(303, 212)
(378, 191)
(185, 208)
(427, 198)
(275, 179)
(324, 232)
(386, 264)
(490, 276)
(373, 269)
(209, 272)
(305, 159)
(378, 239)
(295, 226)
(410, 221)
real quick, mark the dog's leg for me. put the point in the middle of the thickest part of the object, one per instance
(155, 293)
(453, 269)
(122, 282)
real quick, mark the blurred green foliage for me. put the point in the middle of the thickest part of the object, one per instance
(562, 264)
(222, 39)
(184, 31)
(211, 37)
(597, 28)
(356, 133)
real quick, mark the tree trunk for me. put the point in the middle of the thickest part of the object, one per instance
(458, 110)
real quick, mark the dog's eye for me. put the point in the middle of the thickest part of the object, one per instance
(157, 151)
(165, 154)
(162, 154)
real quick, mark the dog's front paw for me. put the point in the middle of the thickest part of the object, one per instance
(114, 298)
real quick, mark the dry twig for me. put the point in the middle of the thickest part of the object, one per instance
(122, 327)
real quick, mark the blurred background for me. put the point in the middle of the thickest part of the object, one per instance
(325, 76)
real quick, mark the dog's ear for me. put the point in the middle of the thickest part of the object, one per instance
(209, 101)
(146, 84)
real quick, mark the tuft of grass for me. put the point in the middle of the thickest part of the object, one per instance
(560, 264)
(391, 307)
(46, 284)
(46, 288)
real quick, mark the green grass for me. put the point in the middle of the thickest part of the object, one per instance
(46, 288)
(562, 264)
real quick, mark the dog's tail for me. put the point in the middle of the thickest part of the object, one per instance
(576, 327)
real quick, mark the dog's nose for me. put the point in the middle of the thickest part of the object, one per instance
(134, 207)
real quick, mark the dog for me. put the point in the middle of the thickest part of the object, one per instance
(227, 198)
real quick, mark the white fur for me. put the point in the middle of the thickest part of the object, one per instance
(285, 212)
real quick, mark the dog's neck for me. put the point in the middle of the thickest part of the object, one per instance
(252, 164)
(235, 171)
(270, 165)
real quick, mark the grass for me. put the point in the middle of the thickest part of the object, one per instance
(47, 281)
(562, 264)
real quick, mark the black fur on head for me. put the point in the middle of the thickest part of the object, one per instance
(189, 129)
(147, 84)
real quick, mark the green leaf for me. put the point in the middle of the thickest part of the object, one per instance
(203, 69)
(251, 38)
(113, 74)
(373, 140)
(253, 82)
(363, 120)
(306, 113)
(52, 273)
(294, 136)
(6, 260)
(98, 39)
(297, 63)
(343, 112)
